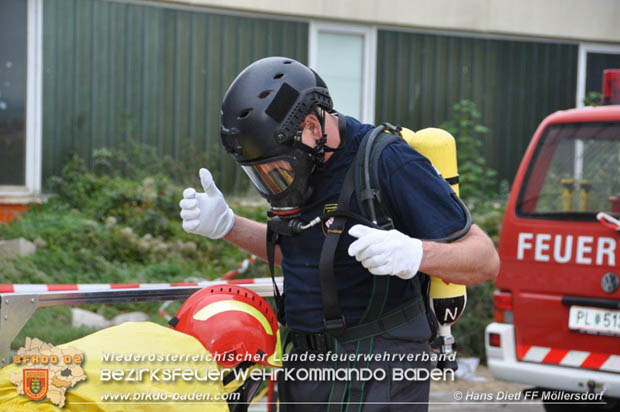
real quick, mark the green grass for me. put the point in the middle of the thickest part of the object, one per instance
(81, 249)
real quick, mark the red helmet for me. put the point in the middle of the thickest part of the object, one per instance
(232, 323)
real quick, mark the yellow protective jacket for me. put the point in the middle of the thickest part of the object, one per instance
(134, 338)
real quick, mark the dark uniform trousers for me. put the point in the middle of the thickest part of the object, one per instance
(387, 394)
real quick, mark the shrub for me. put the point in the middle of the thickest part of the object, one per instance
(106, 228)
(486, 196)
(592, 99)
(478, 182)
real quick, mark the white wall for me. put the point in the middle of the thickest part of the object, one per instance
(591, 20)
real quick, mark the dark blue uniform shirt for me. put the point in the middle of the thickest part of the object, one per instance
(421, 206)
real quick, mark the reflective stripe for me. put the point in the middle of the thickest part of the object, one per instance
(612, 364)
(153, 285)
(573, 358)
(233, 305)
(555, 356)
(29, 288)
(276, 357)
(595, 360)
(536, 354)
(93, 286)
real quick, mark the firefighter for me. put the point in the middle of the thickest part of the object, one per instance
(232, 331)
(240, 331)
(349, 286)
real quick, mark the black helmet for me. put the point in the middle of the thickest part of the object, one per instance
(260, 126)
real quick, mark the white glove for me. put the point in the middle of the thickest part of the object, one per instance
(207, 213)
(385, 252)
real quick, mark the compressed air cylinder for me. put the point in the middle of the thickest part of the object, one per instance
(584, 194)
(447, 300)
(568, 184)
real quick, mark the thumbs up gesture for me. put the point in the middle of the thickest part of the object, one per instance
(207, 213)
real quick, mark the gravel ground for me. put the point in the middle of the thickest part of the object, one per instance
(443, 394)
(466, 396)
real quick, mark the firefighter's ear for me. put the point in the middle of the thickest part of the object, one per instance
(312, 128)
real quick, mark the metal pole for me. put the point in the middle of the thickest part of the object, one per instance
(17, 308)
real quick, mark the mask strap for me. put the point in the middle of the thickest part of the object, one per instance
(342, 129)
(318, 152)
(321, 148)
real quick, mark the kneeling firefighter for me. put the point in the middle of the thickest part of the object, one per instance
(240, 331)
(350, 204)
(230, 330)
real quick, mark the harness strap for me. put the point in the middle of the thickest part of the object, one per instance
(397, 317)
(384, 140)
(272, 241)
(344, 394)
(333, 318)
(366, 174)
(349, 215)
(323, 342)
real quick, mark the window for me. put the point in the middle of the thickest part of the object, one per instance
(593, 59)
(20, 96)
(573, 181)
(13, 93)
(344, 56)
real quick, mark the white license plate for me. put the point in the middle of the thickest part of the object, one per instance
(594, 320)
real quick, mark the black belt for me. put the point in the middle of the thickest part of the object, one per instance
(324, 342)
(311, 342)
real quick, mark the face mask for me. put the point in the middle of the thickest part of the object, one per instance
(283, 180)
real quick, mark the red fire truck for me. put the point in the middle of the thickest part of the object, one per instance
(557, 303)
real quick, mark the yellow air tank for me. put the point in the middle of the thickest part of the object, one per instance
(446, 300)
(568, 184)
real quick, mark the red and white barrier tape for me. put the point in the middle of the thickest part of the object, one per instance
(564, 357)
(28, 288)
(243, 267)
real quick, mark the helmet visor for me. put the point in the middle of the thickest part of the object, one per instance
(271, 177)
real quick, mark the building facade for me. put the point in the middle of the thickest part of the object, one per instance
(78, 75)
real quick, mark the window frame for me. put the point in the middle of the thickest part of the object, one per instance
(369, 58)
(582, 64)
(565, 216)
(34, 105)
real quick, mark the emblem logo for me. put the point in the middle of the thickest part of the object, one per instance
(48, 372)
(330, 207)
(610, 282)
(35, 383)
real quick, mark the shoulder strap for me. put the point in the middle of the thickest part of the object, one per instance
(368, 191)
(333, 318)
(366, 164)
(362, 177)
